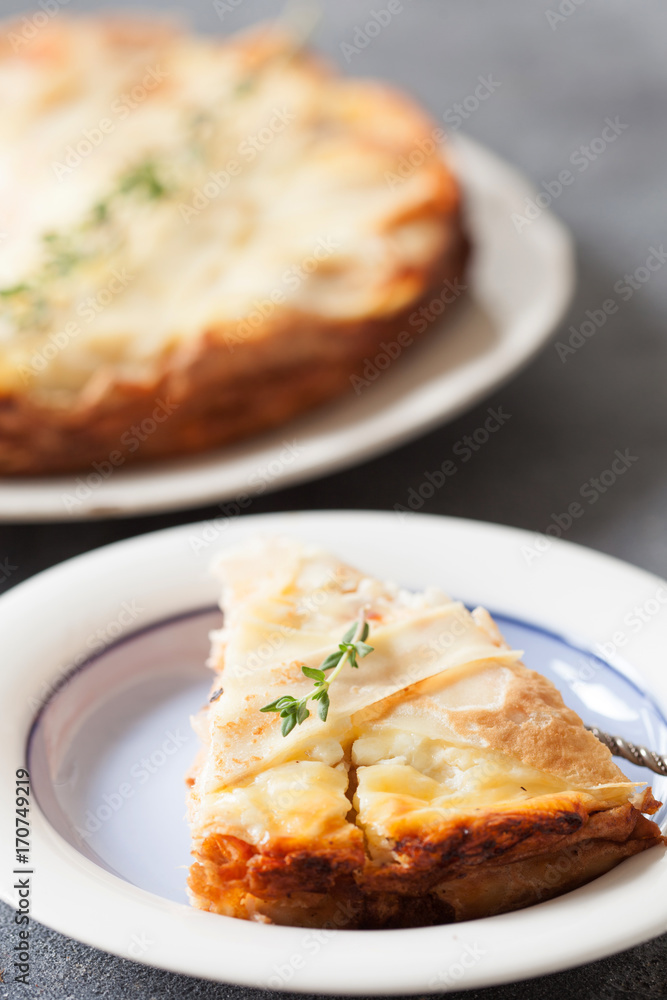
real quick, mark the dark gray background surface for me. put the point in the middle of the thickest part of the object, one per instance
(558, 83)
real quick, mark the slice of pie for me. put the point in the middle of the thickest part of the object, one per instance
(447, 782)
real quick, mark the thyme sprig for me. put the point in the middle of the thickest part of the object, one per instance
(293, 711)
(64, 252)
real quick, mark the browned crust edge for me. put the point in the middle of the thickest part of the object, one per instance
(206, 404)
(486, 864)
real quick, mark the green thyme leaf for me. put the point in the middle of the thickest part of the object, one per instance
(313, 673)
(289, 722)
(295, 711)
(100, 212)
(144, 179)
(323, 707)
(245, 86)
(279, 703)
(363, 649)
(331, 661)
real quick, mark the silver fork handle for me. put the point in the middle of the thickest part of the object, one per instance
(641, 756)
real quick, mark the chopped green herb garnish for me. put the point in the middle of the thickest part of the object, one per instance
(143, 179)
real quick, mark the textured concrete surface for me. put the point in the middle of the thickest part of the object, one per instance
(560, 76)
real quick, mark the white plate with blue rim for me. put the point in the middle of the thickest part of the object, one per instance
(521, 281)
(104, 664)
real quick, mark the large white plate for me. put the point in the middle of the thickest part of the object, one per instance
(117, 887)
(520, 286)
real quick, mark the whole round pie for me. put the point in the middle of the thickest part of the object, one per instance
(201, 238)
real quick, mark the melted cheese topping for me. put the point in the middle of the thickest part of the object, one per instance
(279, 626)
(303, 800)
(421, 721)
(407, 782)
(154, 186)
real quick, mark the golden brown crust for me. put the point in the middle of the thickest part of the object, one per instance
(216, 391)
(532, 704)
(217, 387)
(533, 880)
(487, 865)
(535, 725)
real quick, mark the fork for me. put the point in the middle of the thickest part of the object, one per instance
(641, 756)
